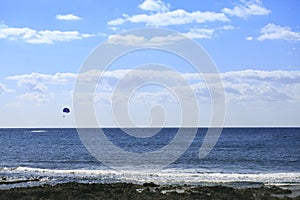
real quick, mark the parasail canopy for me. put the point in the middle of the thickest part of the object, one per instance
(66, 110)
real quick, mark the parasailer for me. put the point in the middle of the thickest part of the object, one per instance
(66, 111)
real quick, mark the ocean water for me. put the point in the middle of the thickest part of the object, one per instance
(242, 156)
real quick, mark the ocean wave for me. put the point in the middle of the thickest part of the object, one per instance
(168, 176)
(38, 131)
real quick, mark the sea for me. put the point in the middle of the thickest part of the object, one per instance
(242, 157)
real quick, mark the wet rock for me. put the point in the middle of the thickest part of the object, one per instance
(134, 191)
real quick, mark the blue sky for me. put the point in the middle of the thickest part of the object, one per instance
(254, 44)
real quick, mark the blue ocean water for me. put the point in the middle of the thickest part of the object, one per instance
(252, 155)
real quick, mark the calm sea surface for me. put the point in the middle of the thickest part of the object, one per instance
(241, 155)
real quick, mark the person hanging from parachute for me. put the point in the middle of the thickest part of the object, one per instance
(66, 111)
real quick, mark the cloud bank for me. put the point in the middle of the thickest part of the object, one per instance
(240, 86)
(32, 36)
(176, 17)
(133, 40)
(37, 84)
(161, 15)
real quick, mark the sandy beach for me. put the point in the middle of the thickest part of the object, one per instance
(146, 191)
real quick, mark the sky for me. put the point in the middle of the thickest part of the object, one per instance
(254, 44)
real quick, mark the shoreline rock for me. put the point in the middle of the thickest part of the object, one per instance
(74, 190)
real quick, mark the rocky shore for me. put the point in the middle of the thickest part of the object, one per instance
(146, 191)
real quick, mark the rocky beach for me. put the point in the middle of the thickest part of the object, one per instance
(75, 190)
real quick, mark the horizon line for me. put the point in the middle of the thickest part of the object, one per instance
(111, 127)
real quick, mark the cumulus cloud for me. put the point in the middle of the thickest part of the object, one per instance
(40, 37)
(154, 5)
(175, 17)
(36, 97)
(68, 17)
(247, 8)
(240, 86)
(161, 15)
(205, 33)
(258, 85)
(153, 98)
(199, 33)
(276, 32)
(33, 79)
(4, 89)
(133, 40)
(278, 76)
(227, 27)
(37, 84)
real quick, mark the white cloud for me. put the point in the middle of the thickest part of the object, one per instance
(34, 79)
(101, 34)
(278, 76)
(194, 33)
(36, 97)
(252, 86)
(248, 8)
(37, 84)
(40, 37)
(4, 89)
(175, 17)
(257, 85)
(227, 27)
(127, 40)
(68, 17)
(276, 32)
(133, 40)
(153, 97)
(249, 38)
(116, 22)
(240, 86)
(154, 5)
(136, 76)
(199, 33)
(208, 33)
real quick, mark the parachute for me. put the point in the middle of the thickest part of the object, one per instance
(66, 111)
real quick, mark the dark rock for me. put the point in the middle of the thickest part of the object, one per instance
(151, 184)
(130, 191)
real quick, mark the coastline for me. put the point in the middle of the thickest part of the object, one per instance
(243, 165)
(74, 190)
